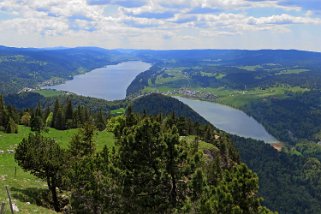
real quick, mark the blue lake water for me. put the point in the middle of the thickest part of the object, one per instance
(229, 119)
(109, 82)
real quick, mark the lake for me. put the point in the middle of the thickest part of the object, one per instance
(109, 82)
(229, 119)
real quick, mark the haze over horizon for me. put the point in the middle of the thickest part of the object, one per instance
(162, 24)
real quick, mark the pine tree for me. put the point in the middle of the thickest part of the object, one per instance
(173, 164)
(55, 113)
(69, 110)
(59, 120)
(36, 123)
(11, 127)
(69, 115)
(2, 113)
(82, 143)
(100, 121)
(141, 156)
(45, 159)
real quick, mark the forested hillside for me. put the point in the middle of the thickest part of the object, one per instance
(262, 83)
(289, 180)
(28, 67)
(155, 104)
(158, 164)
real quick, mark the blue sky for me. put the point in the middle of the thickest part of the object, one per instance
(162, 24)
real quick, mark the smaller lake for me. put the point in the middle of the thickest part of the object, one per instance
(229, 119)
(109, 82)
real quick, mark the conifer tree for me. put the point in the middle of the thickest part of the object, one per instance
(11, 127)
(100, 121)
(2, 113)
(59, 120)
(45, 159)
(55, 113)
(141, 158)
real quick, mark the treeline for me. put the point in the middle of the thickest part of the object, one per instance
(141, 80)
(289, 180)
(32, 99)
(29, 67)
(62, 116)
(9, 118)
(291, 118)
(154, 104)
(151, 170)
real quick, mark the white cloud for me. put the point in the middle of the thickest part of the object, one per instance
(151, 23)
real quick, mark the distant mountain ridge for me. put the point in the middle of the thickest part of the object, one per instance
(28, 67)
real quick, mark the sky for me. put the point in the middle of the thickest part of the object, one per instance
(162, 24)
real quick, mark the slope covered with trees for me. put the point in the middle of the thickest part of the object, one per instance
(29, 67)
(289, 180)
(280, 88)
(152, 170)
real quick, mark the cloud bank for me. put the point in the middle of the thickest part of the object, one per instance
(161, 24)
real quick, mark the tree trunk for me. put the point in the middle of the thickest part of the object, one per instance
(53, 190)
(173, 192)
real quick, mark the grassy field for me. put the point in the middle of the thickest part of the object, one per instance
(119, 111)
(50, 93)
(292, 71)
(25, 187)
(234, 98)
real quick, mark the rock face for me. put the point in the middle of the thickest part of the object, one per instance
(15, 208)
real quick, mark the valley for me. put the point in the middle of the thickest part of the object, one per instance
(275, 94)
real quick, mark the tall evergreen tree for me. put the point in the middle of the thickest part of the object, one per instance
(141, 156)
(100, 121)
(45, 159)
(2, 113)
(55, 112)
(59, 120)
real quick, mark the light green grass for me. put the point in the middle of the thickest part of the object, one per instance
(175, 75)
(49, 93)
(292, 71)
(240, 98)
(202, 145)
(22, 183)
(216, 75)
(250, 67)
(119, 111)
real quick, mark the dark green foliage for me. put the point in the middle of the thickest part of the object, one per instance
(36, 124)
(100, 121)
(43, 158)
(288, 183)
(141, 80)
(141, 152)
(31, 100)
(12, 127)
(290, 118)
(3, 116)
(154, 171)
(82, 144)
(98, 192)
(8, 118)
(234, 193)
(154, 104)
(23, 67)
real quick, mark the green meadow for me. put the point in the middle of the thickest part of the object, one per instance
(25, 187)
